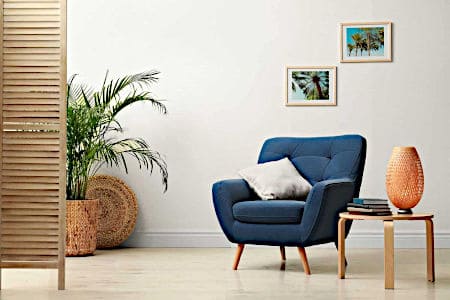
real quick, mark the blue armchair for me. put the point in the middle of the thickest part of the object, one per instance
(334, 167)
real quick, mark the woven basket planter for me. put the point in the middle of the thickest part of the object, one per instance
(117, 209)
(81, 226)
(404, 178)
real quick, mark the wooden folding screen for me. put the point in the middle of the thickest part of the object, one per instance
(33, 134)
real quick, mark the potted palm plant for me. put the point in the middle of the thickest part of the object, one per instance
(94, 139)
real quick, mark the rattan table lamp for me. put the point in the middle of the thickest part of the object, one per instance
(404, 179)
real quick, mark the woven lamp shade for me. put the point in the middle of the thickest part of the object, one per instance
(404, 178)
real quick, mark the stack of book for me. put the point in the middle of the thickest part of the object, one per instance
(369, 206)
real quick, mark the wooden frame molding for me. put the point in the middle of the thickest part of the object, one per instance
(33, 134)
(332, 83)
(387, 38)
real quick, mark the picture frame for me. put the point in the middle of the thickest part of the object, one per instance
(311, 86)
(371, 40)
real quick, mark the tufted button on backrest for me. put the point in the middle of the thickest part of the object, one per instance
(320, 158)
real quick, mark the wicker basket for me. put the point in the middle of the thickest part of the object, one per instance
(81, 227)
(404, 178)
(117, 209)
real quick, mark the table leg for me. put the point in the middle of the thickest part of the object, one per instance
(341, 248)
(388, 254)
(430, 250)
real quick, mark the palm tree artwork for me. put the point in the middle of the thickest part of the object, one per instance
(350, 48)
(370, 36)
(358, 42)
(368, 40)
(380, 36)
(311, 85)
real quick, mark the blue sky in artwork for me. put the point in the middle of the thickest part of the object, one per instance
(351, 31)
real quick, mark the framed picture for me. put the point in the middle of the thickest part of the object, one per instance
(310, 86)
(366, 42)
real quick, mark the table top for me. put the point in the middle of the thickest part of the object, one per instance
(396, 217)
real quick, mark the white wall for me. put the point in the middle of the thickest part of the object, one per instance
(223, 64)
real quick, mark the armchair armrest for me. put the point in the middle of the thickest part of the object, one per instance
(321, 214)
(225, 194)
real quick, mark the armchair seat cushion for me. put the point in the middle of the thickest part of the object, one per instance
(269, 212)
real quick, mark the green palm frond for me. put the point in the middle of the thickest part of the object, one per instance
(92, 124)
(314, 84)
(138, 97)
(111, 89)
(78, 92)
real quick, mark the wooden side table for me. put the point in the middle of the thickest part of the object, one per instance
(388, 242)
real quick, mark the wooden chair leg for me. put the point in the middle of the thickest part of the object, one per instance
(283, 253)
(302, 253)
(237, 257)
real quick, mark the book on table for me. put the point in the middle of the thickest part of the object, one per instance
(369, 206)
(369, 210)
(371, 214)
(351, 204)
(367, 201)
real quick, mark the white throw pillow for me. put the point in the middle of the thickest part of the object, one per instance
(276, 180)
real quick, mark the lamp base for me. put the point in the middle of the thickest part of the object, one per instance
(407, 211)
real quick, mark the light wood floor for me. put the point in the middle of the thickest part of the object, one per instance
(206, 274)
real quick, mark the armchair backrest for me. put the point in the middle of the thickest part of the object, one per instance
(320, 158)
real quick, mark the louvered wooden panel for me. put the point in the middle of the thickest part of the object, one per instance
(32, 148)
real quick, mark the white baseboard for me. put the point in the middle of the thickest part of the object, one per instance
(177, 240)
(409, 239)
